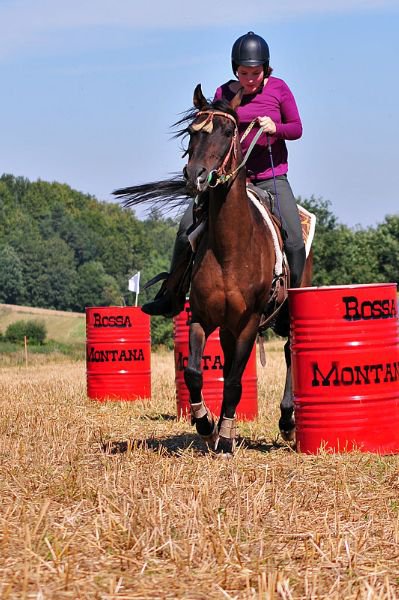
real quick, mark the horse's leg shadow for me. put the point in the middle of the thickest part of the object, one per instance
(173, 445)
(177, 445)
(247, 443)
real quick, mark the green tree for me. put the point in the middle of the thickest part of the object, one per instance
(387, 248)
(95, 287)
(12, 290)
(49, 273)
(342, 256)
(34, 330)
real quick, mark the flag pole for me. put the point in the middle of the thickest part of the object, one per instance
(134, 286)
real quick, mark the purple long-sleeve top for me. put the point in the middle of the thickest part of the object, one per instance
(274, 100)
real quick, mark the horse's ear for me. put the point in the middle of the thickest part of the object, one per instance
(236, 101)
(199, 99)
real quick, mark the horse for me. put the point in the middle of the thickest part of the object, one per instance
(233, 269)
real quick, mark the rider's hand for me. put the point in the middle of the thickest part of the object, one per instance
(267, 125)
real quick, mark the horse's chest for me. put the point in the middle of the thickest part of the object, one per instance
(218, 292)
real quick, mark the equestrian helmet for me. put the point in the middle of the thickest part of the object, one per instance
(250, 50)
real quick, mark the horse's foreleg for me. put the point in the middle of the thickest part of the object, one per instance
(287, 421)
(200, 414)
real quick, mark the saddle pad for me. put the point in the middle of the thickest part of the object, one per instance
(308, 219)
(308, 222)
(278, 267)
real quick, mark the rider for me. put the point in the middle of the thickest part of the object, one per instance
(269, 100)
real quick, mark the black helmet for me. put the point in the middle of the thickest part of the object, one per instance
(250, 50)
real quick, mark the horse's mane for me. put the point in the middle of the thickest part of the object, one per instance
(168, 193)
(190, 115)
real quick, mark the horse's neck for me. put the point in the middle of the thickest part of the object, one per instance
(230, 218)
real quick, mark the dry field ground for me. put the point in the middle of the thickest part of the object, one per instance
(121, 501)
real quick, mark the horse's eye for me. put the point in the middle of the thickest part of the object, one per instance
(229, 132)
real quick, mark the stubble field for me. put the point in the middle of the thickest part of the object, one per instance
(122, 501)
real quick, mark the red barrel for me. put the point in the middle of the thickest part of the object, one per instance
(118, 353)
(345, 367)
(212, 365)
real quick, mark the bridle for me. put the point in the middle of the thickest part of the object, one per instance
(207, 126)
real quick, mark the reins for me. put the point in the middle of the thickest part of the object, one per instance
(225, 178)
(207, 126)
(221, 176)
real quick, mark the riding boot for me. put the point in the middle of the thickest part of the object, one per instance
(170, 299)
(296, 262)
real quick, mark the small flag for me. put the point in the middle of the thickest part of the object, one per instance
(134, 283)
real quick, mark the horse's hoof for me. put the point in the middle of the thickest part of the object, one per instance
(205, 425)
(212, 439)
(286, 425)
(288, 435)
(225, 447)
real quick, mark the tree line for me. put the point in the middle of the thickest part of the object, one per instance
(62, 249)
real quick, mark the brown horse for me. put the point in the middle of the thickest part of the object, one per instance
(233, 269)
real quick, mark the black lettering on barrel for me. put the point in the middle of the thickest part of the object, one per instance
(351, 308)
(119, 321)
(114, 355)
(205, 359)
(368, 309)
(181, 362)
(347, 376)
(217, 363)
(362, 374)
(325, 379)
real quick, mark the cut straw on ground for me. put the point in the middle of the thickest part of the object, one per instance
(120, 501)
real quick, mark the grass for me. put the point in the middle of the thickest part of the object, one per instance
(121, 501)
(63, 327)
(65, 340)
(51, 351)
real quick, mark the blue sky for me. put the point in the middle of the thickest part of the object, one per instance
(91, 87)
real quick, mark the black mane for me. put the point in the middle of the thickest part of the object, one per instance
(169, 193)
(190, 115)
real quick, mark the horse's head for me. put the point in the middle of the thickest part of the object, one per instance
(214, 143)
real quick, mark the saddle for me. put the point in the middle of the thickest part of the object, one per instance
(265, 203)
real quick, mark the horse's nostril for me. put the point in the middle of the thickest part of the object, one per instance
(195, 175)
(201, 175)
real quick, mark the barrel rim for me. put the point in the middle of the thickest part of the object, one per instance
(354, 286)
(112, 306)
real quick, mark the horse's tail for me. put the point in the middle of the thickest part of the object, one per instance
(167, 193)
